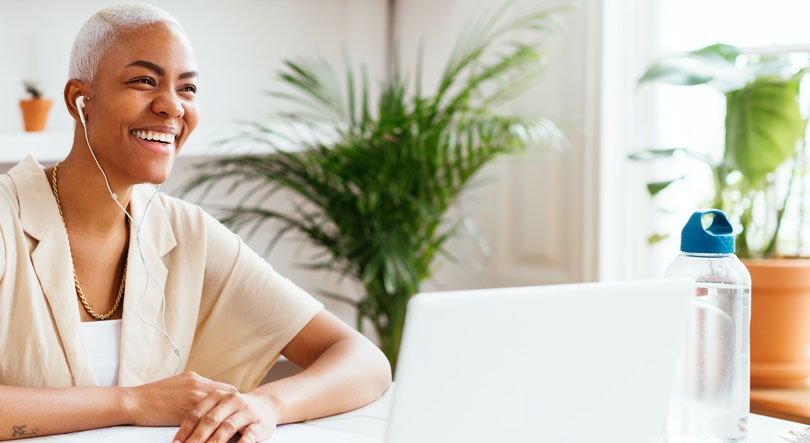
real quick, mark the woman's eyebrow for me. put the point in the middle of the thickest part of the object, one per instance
(159, 70)
(150, 66)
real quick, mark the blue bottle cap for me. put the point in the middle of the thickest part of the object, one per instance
(718, 238)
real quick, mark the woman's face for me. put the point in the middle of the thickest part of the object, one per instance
(142, 105)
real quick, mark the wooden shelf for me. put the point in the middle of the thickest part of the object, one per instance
(791, 404)
(50, 146)
(45, 146)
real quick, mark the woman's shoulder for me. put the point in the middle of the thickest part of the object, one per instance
(183, 216)
(7, 190)
(175, 210)
(24, 183)
(174, 224)
(9, 211)
(9, 200)
(177, 205)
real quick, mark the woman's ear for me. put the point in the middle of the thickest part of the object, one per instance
(73, 90)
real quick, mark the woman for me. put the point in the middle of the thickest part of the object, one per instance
(103, 281)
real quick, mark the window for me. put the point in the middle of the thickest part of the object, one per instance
(639, 32)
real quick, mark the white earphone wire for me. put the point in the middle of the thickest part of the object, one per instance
(137, 226)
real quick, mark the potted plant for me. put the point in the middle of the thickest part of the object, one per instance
(759, 181)
(35, 109)
(374, 184)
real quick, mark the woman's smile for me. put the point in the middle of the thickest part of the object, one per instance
(156, 141)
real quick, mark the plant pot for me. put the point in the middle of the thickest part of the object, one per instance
(35, 113)
(780, 322)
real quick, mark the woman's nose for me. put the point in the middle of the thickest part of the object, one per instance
(168, 105)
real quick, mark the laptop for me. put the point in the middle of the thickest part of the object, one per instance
(576, 363)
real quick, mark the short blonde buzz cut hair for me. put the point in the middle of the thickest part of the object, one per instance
(102, 29)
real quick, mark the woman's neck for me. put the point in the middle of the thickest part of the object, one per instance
(84, 198)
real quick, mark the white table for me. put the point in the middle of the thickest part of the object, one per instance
(369, 422)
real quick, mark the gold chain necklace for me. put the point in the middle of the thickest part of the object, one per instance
(79, 291)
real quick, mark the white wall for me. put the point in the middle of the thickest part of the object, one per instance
(239, 46)
(540, 212)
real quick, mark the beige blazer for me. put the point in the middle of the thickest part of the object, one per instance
(227, 310)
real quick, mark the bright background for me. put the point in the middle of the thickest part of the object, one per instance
(549, 216)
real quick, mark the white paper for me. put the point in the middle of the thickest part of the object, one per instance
(293, 433)
(121, 434)
(311, 434)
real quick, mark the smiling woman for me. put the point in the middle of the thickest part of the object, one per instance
(140, 96)
(121, 305)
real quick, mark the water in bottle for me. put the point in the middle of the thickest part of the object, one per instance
(709, 403)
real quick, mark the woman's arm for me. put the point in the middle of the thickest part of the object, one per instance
(29, 412)
(342, 371)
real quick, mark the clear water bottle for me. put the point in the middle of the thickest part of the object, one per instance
(709, 403)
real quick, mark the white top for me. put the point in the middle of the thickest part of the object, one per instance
(102, 339)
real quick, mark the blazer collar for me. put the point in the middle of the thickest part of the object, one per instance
(50, 252)
(38, 211)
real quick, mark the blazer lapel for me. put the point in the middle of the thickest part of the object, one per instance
(56, 279)
(145, 351)
(50, 256)
(141, 341)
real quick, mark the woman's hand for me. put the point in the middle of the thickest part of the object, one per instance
(220, 415)
(167, 402)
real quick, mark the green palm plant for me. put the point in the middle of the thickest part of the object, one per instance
(374, 186)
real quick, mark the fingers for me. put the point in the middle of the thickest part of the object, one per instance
(225, 387)
(221, 421)
(252, 434)
(217, 418)
(200, 420)
(167, 402)
(240, 421)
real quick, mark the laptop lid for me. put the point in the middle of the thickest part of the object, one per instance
(568, 363)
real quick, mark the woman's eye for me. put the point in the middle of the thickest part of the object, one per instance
(190, 88)
(144, 80)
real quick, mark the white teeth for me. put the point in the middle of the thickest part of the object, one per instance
(152, 135)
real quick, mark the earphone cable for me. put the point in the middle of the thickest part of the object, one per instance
(149, 276)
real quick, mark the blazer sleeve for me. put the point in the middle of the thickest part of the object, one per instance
(248, 312)
(2, 253)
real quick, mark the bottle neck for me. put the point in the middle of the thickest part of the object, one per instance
(706, 254)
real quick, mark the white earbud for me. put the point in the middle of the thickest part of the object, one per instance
(80, 106)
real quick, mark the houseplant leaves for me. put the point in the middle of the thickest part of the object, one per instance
(763, 125)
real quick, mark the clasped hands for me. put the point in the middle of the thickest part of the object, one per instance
(206, 410)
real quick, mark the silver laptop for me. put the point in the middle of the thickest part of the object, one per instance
(569, 363)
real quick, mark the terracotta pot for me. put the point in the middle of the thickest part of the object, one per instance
(35, 113)
(780, 322)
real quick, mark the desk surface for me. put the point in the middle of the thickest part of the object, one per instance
(368, 425)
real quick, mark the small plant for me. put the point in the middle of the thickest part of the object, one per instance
(32, 88)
